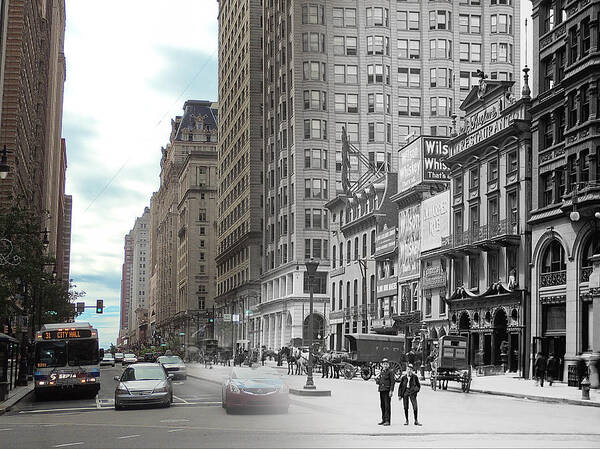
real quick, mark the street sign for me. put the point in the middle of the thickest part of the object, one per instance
(227, 317)
(236, 318)
(181, 333)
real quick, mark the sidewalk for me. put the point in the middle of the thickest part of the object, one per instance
(14, 396)
(502, 385)
(509, 385)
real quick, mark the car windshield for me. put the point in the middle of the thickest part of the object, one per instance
(143, 373)
(130, 356)
(170, 359)
(83, 352)
(51, 354)
(108, 356)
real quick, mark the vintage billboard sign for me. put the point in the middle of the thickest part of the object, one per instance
(409, 248)
(434, 275)
(410, 166)
(435, 151)
(435, 220)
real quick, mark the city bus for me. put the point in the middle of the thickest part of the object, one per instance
(66, 358)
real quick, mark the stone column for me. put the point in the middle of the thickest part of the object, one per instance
(593, 93)
(594, 289)
(593, 35)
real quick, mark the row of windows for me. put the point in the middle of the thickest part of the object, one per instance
(316, 219)
(360, 249)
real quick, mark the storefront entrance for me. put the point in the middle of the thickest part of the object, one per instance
(552, 345)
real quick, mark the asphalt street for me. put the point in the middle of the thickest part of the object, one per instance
(196, 419)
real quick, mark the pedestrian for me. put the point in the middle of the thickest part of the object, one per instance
(552, 369)
(263, 356)
(386, 382)
(539, 368)
(408, 390)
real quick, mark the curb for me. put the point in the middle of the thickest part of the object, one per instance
(532, 397)
(307, 393)
(7, 405)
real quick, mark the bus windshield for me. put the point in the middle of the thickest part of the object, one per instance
(83, 352)
(51, 354)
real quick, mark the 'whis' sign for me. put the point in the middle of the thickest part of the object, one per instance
(434, 153)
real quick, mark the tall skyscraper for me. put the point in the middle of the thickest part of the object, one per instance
(383, 71)
(126, 288)
(240, 167)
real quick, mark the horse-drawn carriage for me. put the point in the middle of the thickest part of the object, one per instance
(367, 351)
(451, 363)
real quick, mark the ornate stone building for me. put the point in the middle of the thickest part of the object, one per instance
(489, 246)
(566, 188)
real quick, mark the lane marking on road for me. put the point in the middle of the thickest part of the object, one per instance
(98, 402)
(128, 436)
(175, 430)
(182, 400)
(196, 404)
(69, 444)
(175, 420)
(4, 430)
(57, 410)
(50, 425)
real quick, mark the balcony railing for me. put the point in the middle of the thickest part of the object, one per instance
(585, 274)
(553, 278)
(487, 232)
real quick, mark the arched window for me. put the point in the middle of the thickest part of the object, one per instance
(348, 294)
(334, 258)
(554, 258)
(340, 296)
(355, 248)
(592, 246)
(341, 254)
(332, 297)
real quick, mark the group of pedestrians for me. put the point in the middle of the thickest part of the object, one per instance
(407, 392)
(546, 369)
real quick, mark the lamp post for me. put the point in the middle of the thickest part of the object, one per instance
(311, 270)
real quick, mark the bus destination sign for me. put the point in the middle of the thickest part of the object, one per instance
(66, 333)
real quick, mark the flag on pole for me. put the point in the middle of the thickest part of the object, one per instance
(345, 162)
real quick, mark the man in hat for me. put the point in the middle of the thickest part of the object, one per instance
(408, 389)
(386, 382)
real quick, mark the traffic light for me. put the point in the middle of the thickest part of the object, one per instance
(99, 306)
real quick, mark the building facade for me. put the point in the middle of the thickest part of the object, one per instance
(240, 155)
(362, 281)
(565, 142)
(126, 273)
(196, 233)
(383, 72)
(139, 280)
(489, 245)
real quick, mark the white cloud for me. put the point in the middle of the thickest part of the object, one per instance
(128, 67)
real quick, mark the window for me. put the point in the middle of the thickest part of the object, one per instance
(465, 81)
(493, 270)
(313, 42)
(440, 77)
(474, 178)
(573, 44)
(414, 51)
(315, 129)
(441, 106)
(440, 48)
(378, 45)
(547, 191)
(474, 271)
(376, 132)
(313, 70)
(553, 259)
(585, 37)
(585, 103)
(493, 211)
(378, 17)
(493, 170)
(313, 14)
(414, 19)
(464, 51)
(440, 20)
(458, 185)
(572, 107)
(344, 17)
(346, 103)
(512, 162)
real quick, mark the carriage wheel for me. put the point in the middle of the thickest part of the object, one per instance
(397, 368)
(366, 372)
(349, 371)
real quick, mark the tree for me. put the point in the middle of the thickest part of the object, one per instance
(26, 286)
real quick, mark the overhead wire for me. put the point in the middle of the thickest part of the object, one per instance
(168, 111)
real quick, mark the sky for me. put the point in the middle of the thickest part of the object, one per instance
(130, 67)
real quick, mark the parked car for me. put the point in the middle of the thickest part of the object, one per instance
(259, 388)
(119, 357)
(174, 365)
(143, 384)
(108, 359)
(128, 359)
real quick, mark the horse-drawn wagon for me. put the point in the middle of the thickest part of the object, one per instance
(367, 351)
(451, 363)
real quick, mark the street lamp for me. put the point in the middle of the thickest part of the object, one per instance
(311, 270)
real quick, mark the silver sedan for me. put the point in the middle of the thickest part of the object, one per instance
(144, 384)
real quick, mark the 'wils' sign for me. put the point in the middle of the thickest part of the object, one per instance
(434, 153)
